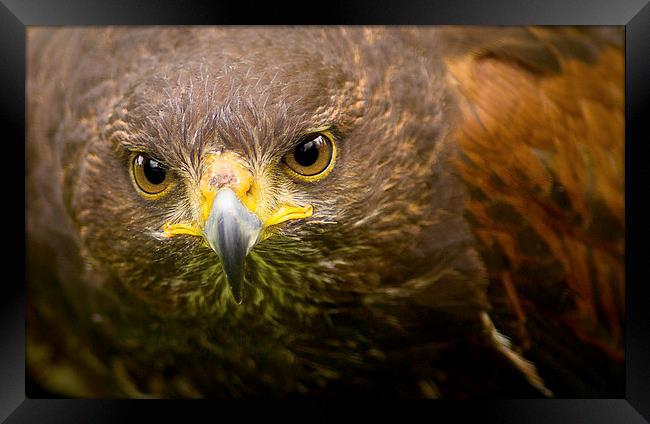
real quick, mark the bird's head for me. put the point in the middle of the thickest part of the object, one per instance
(266, 166)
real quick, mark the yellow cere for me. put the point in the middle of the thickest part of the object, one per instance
(226, 170)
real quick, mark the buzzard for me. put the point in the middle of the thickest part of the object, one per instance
(336, 211)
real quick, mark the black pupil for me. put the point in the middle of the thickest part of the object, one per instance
(154, 171)
(306, 154)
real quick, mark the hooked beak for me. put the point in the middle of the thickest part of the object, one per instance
(232, 230)
(231, 218)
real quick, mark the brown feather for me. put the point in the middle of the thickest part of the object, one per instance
(543, 157)
(382, 290)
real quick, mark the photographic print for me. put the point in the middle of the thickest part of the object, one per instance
(337, 211)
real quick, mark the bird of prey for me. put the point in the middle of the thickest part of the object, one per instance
(325, 211)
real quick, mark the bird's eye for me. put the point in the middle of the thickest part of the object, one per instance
(313, 157)
(149, 174)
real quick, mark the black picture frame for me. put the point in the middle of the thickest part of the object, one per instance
(17, 15)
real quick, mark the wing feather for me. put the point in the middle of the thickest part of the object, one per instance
(542, 136)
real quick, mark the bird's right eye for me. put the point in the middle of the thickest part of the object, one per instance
(150, 175)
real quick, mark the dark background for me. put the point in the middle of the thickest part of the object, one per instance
(16, 15)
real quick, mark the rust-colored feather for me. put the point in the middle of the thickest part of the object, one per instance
(543, 159)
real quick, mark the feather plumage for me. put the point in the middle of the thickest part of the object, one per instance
(386, 289)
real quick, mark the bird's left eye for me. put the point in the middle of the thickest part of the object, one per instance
(312, 157)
